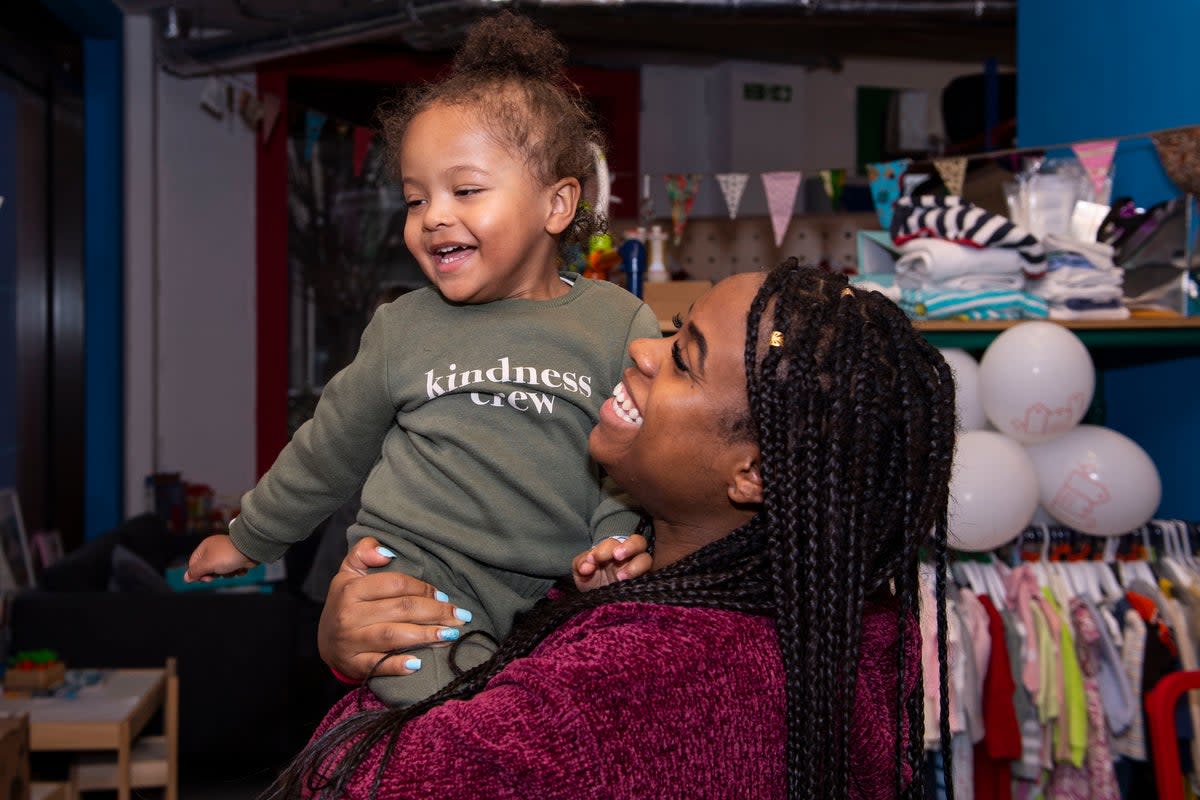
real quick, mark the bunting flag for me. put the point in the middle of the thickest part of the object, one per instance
(781, 199)
(885, 187)
(212, 98)
(953, 172)
(362, 143)
(646, 205)
(314, 122)
(834, 180)
(1096, 158)
(250, 108)
(270, 114)
(733, 185)
(681, 191)
(1179, 152)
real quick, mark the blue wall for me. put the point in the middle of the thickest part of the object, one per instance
(99, 23)
(1098, 68)
(103, 228)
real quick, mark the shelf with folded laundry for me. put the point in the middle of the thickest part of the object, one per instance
(963, 274)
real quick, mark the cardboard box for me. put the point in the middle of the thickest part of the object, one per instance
(668, 298)
(14, 756)
(35, 680)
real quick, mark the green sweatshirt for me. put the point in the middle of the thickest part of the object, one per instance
(469, 424)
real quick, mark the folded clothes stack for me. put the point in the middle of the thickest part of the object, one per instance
(959, 261)
(1081, 281)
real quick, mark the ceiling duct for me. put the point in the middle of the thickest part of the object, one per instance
(232, 35)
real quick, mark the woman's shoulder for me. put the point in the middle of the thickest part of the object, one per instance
(672, 637)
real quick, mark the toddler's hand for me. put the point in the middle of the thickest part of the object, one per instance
(617, 558)
(216, 557)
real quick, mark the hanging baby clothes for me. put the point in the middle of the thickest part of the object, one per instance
(1132, 743)
(1020, 585)
(1073, 722)
(965, 710)
(1001, 743)
(1029, 767)
(1094, 779)
(1117, 697)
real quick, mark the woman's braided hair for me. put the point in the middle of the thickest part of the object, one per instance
(511, 71)
(854, 416)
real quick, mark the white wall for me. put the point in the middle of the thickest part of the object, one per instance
(830, 112)
(190, 283)
(140, 417)
(695, 119)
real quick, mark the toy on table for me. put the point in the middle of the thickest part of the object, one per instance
(601, 257)
(34, 671)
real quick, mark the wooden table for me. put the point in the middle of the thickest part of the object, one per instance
(107, 715)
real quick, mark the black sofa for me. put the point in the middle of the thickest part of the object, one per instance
(252, 686)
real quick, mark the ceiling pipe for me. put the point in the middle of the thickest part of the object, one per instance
(190, 58)
(196, 57)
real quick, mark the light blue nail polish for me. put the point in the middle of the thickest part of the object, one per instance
(386, 552)
(449, 634)
(463, 614)
(412, 663)
(441, 596)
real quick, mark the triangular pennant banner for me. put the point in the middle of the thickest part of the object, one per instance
(834, 180)
(1096, 158)
(362, 143)
(646, 205)
(781, 199)
(681, 191)
(1179, 152)
(953, 172)
(885, 187)
(314, 122)
(270, 114)
(212, 98)
(733, 185)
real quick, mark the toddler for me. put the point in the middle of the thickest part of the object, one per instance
(468, 407)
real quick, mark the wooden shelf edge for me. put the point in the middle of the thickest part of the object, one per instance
(1167, 337)
(995, 326)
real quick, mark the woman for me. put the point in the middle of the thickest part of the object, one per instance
(792, 445)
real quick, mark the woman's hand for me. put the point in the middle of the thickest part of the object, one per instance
(366, 615)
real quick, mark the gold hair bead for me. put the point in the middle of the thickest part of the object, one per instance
(847, 292)
(776, 338)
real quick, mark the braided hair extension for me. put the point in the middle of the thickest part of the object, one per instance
(854, 416)
(511, 71)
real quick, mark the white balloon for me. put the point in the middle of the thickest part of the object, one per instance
(966, 389)
(1096, 480)
(993, 491)
(1036, 381)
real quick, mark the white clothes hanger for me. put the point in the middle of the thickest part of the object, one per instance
(1142, 567)
(991, 577)
(1170, 559)
(1039, 567)
(1085, 580)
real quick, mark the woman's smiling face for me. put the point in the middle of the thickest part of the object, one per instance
(666, 434)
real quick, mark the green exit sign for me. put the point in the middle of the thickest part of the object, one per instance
(767, 92)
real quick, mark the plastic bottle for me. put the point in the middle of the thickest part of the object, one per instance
(658, 265)
(633, 261)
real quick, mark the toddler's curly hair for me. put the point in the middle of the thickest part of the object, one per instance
(512, 71)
